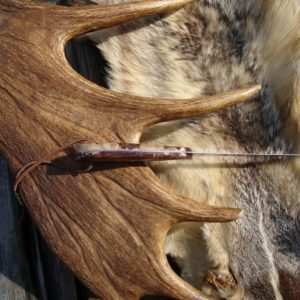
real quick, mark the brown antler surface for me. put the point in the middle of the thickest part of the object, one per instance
(108, 226)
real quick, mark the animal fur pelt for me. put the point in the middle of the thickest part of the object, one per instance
(212, 46)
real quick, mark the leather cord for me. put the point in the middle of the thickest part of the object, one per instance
(46, 159)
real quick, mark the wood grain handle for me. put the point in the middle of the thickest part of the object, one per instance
(117, 152)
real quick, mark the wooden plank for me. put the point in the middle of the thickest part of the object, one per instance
(15, 279)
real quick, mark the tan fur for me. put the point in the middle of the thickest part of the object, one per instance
(208, 47)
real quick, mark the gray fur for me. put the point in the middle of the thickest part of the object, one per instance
(208, 47)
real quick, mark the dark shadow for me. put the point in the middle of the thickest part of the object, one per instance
(86, 59)
(83, 292)
(67, 165)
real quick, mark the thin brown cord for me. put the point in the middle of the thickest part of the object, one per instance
(27, 169)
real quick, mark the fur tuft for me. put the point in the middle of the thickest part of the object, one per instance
(207, 47)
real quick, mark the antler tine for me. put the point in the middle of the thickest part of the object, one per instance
(78, 20)
(174, 109)
(187, 210)
(184, 209)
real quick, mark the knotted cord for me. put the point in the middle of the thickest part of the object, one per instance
(28, 168)
(46, 159)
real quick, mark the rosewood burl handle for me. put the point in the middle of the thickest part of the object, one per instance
(117, 152)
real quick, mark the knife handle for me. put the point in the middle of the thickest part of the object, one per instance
(122, 152)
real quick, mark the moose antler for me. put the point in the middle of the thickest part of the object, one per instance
(108, 226)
